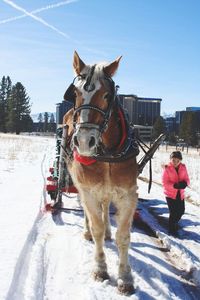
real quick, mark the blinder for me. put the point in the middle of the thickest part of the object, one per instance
(70, 93)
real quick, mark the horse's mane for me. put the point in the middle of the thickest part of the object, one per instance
(98, 72)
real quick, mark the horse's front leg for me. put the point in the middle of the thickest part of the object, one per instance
(106, 220)
(94, 213)
(126, 206)
(86, 231)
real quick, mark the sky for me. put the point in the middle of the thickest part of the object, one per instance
(159, 42)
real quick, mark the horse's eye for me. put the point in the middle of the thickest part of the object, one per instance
(106, 96)
(83, 76)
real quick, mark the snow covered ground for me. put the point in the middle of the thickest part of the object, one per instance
(40, 259)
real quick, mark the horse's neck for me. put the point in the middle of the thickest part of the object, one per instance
(112, 136)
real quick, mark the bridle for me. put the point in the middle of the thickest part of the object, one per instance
(106, 114)
(130, 147)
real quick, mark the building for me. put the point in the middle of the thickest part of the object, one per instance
(178, 119)
(61, 109)
(192, 108)
(141, 111)
(170, 124)
(148, 110)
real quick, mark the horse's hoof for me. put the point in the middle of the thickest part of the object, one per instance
(126, 288)
(87, 236)
(100, 275)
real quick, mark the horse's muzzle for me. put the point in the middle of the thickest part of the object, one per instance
(86, 141)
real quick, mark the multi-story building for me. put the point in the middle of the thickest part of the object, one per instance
(61, 109)
(193, 108)
(141, 111)
(178, 119)
(170, 124)
(180, 114)
(129, 103)
(148, 110)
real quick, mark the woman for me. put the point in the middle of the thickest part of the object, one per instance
(175, 179)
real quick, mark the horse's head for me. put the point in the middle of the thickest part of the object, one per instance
(93, 94)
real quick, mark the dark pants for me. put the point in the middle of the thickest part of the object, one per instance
(176, 210)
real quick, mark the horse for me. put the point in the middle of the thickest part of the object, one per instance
(101, 159)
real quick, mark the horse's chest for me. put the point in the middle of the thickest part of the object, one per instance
(103, 175)
(90, 175)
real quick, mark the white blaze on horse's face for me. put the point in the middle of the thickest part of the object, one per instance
(87, 96)
(86, 139)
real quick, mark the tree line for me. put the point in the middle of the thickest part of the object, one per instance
(46, 122)
(15, 110)
(15, 107)
(188, 131)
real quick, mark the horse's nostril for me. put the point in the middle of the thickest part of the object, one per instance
(76, 141)
(92, 142)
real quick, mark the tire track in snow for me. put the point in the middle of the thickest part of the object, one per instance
(32, 254)
(22, 269)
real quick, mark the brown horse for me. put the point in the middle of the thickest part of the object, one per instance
(102, 161)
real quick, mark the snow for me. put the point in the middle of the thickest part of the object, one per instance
(42, 258)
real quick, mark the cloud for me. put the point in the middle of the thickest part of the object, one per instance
(40, 20)
(36, 11)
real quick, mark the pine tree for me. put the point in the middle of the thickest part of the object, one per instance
(27, 123)
(3, 100)
(158, 127)
(189, 128)
(40, 120)
(18, 107)
(52, 123)
(8, 93)
(46, 120)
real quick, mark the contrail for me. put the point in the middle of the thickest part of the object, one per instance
(36, 11)
(31, 15)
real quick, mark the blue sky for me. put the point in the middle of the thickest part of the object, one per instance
(159, 41)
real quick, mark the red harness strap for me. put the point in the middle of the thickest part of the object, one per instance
(124, 133)
(86, 160)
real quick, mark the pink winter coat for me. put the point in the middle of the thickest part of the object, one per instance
(170, 176)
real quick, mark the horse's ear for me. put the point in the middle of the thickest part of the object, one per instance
(112, 67)
(78, 64)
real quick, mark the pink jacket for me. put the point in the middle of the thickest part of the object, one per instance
(170, 176)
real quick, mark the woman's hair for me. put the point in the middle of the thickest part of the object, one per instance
(176, 154)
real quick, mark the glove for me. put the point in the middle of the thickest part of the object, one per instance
(181, 185)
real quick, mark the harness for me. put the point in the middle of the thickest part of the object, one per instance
(129, 144)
